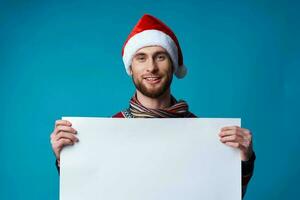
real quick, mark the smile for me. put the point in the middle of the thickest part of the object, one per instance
(152, 79)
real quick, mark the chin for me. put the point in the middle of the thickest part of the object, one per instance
(153, 90)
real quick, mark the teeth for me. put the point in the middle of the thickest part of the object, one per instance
(151, 79)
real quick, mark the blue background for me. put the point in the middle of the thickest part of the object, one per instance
(64, 58)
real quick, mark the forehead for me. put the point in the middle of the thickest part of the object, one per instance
(150, 50)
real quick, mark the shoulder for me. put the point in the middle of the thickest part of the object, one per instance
(123, 114)
(118, 115)
(191, 115)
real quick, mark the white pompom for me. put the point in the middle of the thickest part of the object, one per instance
(181, 72)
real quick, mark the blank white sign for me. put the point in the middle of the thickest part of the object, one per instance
(150, 159)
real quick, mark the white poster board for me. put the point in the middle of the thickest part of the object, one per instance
(150, 159)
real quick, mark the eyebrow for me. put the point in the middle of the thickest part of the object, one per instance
(139, 54)
(160, 52)
(155, 54)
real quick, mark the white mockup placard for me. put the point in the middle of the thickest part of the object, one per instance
(150, 159)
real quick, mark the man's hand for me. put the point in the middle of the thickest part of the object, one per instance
(62, 135)
(237, 137)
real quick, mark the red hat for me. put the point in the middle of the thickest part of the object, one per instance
(150, 31)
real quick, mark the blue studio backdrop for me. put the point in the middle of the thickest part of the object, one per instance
(63, 58)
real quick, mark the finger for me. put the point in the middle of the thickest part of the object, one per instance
(232, 144)
(230, 128)
(246, 143)
(236, 145)
(62, 122)
(66, 135)
(65, 129)
(242, 140)
(229, 132)
(232, 138)
(58, 145)
(64, 142)
(246, 132)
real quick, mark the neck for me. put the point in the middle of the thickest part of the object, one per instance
(164, 101)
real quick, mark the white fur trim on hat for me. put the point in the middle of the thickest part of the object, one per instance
(152, 38)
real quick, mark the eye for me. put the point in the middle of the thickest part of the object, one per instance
(140, 58)
(161, 57)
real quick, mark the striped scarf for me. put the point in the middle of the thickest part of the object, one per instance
(178, 109)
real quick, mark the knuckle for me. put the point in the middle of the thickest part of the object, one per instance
(60, 143)
(55, 145)
(250, 137)
(60, 128)
(58, 134)
(63, 134)
(246, 143)
(73, 137)
(57, 129)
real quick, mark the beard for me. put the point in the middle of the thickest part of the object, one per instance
(153, 92)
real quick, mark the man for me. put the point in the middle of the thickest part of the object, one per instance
(151, 55)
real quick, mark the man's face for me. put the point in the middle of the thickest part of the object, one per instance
(152, 71)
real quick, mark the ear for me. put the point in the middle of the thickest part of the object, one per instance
(130, 70)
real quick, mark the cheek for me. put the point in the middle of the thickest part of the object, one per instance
(135, 72)
(136, 68)
(168, 68)
(136, 75)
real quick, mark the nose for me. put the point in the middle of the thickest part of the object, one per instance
(152, 66)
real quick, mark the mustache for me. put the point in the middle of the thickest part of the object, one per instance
(152, 75)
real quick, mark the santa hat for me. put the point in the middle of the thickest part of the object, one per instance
(150, 31)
